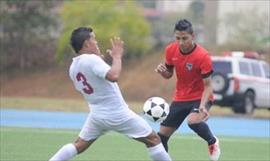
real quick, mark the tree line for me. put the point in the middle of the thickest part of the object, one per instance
(36, 33)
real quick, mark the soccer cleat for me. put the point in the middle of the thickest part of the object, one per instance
(214, 151)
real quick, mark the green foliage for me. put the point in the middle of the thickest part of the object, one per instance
(24, 33)
(108, 18)
(247, 33)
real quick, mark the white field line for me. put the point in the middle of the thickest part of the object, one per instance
(225, 139)
(39, 130)
(185, 137)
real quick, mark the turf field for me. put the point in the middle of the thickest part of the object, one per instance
(18, 144)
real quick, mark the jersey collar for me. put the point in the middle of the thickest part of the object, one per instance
(189, 51)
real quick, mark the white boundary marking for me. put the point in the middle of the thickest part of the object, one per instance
(177, 136)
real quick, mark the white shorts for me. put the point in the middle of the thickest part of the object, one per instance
(133, 127)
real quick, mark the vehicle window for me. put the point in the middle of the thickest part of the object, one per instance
(244, 68)
(222, 67)
(256, 71)
(266, 69)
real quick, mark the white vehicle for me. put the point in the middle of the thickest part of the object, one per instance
(241, 83)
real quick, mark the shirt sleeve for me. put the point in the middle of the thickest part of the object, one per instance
(100, 67)
(206, 66)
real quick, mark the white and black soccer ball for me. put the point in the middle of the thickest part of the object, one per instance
(156, 109)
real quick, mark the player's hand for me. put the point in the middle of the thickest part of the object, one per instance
(205, 112)
(161, 68)
(117, 49)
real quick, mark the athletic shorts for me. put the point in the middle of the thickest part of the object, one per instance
(180, 110)
(133, 127)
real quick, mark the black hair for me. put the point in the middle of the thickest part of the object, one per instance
(78, 37)
(184, 25)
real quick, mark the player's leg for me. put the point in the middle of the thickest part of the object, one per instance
(164, 133)
(89, 133)
(70, 150)
(197, 124)
(196, 121)
(155, 148)
(178, 112)
(138, 129)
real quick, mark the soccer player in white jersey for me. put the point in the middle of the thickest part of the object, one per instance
(96, 81)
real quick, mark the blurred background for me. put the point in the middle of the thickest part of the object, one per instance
(40, 106)
(35, 52)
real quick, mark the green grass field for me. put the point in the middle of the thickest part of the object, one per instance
(18, 144)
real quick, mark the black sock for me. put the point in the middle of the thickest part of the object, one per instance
(203, 131)
(164, 140)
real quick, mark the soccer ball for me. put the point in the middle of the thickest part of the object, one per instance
(156, 109)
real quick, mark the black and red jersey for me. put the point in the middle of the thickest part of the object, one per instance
(190, 70)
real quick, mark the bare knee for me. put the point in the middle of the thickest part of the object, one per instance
(166, 130)
(150, 140)
(192, 121)
(81, 145)
(195, 118)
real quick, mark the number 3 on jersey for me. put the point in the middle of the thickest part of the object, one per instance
(87, 88)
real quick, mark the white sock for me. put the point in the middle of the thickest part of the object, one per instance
(158, 153)
(67, 152)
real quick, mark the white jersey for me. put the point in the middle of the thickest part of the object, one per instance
(88, 72)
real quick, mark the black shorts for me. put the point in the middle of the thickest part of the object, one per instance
(180, 110)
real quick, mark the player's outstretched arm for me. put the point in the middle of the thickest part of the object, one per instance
(164, 71)
(116, 53)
